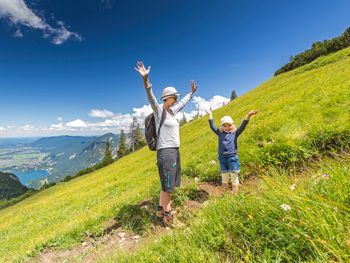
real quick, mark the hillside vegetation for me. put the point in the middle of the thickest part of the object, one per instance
(317, 50)
(304, 116)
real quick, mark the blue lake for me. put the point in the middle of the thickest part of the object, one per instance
(26, 177)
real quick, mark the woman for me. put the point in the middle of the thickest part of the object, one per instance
(168, 155)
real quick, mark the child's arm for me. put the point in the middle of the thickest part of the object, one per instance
(211, 122)
(245, 122)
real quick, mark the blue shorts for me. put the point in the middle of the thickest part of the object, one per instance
(229, 164)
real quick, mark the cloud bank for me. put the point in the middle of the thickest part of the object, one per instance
(107, 121)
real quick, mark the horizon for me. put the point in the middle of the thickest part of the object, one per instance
(73, 63)
(61, 135)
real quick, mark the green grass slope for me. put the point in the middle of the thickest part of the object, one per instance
(303, 113)
(255, 228)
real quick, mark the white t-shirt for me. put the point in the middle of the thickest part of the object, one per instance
(170, 131)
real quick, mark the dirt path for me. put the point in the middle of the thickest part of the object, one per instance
(115, 238)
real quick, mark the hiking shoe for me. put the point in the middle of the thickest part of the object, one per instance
(168, 217)
(159, 212)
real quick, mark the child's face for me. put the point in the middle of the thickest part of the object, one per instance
(227, 127)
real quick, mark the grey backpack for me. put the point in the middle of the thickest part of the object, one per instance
(151, 130)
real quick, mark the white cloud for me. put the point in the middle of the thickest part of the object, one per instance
(19, 14)
(100, 113)
(202, 105)
(2, 128)
(78, 123)
(27, 127)
(215, 102)
(18, 34)
(60, 118)
(141, 113)
(59, 126)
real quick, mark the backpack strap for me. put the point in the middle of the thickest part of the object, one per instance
(162, 119)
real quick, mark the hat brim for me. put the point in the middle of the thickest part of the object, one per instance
(227, 123)
(177, 95)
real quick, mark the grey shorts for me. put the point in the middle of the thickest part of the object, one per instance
(169, 168)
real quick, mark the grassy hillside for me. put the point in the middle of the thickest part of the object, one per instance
(256, 228)
(303, 114)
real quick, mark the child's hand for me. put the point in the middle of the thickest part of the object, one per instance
(251, 113)
(208, 111)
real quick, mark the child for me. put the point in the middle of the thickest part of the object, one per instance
(228, 151)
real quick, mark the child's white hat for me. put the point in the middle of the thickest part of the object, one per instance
(226, 119)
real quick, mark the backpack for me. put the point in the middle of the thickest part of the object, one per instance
(150, 130)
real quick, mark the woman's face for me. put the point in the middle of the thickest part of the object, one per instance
(171, 101)
(227, 127)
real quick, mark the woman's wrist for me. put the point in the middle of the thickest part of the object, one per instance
(146, 82)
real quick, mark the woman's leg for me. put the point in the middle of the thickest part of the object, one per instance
(164, 201)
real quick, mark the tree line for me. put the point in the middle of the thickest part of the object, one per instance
(317, 49)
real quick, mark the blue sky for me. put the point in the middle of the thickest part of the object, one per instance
(66, 67)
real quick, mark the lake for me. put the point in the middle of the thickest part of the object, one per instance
(26, 177)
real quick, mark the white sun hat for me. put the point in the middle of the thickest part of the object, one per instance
(170, 92)
(226, 119)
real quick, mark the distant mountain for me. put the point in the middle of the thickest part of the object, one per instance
(67, 155)
(16, 142)
(10, 186)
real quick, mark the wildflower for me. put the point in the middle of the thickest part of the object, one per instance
(212, 162)
(250, 216)
(196, 179)
(325, 176)
(293, 186)
(285, 207)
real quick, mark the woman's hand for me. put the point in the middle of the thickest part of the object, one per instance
(140, 68)
(193, 86)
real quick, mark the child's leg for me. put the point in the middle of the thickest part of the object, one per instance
(234, 170)
(235, 182)
(225, 177)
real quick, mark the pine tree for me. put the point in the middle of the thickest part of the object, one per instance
(233, 95)
(132, 134)
(140, 140)
(137, 139)
(108, 159)
(122, 147)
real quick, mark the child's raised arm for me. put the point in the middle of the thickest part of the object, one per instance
(241, 128)
(211, 122)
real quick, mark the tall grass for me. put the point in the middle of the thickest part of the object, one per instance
(255, 228)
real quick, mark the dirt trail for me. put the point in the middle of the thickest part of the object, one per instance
(115, 238)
